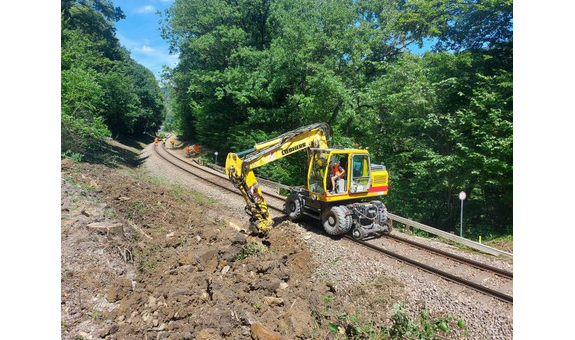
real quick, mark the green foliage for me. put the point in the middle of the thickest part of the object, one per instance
(441, 122)
(459, 24)
(354, 326)
(97, 315)
(104, 91)
(251, 249)
(76, 157)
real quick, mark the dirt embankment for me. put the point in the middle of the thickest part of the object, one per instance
(141, 260)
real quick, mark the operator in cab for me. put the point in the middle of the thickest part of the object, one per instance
(336, 172)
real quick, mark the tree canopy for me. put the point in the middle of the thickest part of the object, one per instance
(441, 122)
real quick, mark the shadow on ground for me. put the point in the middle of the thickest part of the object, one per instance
(136, 142)
(123, 151)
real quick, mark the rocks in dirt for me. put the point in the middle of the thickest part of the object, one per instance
(225, 269)
(172, 242)
(269, 285)
(239, 240)
(229, 253)
(207, 259)
(237, 225)
(298, 320)
(115, 228)
(187, 259)
(273, 301)
(95, 185)
(123, 198)
(208, 334)
(119, 290)
(260, 333)
(108, 331)
(151, 301)
(66, 164)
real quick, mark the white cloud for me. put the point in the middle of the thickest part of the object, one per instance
(145, 9)
(147, 49)
(126, 42)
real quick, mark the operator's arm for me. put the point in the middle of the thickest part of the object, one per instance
(342, 170)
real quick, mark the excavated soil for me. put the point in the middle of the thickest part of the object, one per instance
(142, 259)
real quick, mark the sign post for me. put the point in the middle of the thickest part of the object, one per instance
(462, 197)
(216, 153)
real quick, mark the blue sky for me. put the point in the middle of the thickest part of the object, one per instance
(140, 33)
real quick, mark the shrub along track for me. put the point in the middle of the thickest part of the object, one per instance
(217, 179)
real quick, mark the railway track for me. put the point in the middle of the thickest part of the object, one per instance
(214, 177)
(221, 181)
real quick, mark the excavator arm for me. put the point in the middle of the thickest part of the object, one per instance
(240, 171)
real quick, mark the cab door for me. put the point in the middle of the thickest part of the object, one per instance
(360, 173)
(317, 173)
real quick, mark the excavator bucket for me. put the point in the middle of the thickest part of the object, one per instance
(256, 206)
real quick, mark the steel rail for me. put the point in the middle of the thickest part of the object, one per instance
(216, 173)
(448, 276)
(501, 272)
(234, 191)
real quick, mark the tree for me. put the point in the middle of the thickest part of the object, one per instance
(104, 91)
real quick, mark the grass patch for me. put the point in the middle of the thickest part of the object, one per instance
(136, 208)
(176, 190)
(145, 259)
(97, 315)
(78, 184)
(251, 249)
(353, 326)
(501, 242)
(179, 191)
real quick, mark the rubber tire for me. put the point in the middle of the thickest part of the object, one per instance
(293, 208)
(335, 221)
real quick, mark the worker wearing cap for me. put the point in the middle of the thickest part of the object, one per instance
(164, 141)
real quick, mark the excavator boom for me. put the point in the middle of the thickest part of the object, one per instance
(240, 171)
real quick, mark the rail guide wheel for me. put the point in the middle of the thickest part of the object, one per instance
(358, 233)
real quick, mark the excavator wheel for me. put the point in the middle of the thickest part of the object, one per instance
(335, 221)
(389, 229)
(293, 207)
(358, 233)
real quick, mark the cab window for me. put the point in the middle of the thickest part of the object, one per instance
(317, 172)
(360, 173)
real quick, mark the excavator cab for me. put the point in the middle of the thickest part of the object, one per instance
(356, 179)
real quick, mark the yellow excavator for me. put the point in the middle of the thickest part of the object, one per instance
(341, 191)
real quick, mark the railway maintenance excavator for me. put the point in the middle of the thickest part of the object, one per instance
(351, 205)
